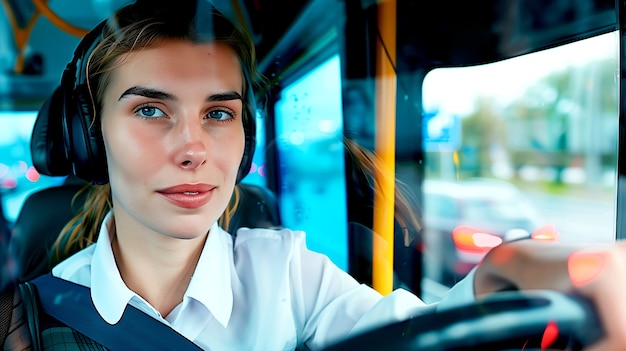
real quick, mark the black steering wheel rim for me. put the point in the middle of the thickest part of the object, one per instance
(511, 320)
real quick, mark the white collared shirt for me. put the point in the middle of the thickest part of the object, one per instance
(269, 292)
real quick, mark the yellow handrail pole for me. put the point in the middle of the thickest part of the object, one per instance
(382, 270)
(59, 22)
(21, 35)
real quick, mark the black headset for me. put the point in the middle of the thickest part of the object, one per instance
(68, 139)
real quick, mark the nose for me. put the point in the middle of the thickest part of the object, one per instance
(192, 150)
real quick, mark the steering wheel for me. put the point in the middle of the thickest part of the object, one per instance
(510, 320)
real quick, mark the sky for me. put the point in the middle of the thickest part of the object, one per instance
(453, 90)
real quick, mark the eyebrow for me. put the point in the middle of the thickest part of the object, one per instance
(161, 95)
(147, 92)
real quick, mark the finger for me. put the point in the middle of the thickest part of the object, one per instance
(601, 276)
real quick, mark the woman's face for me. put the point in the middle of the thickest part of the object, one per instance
(174, 138)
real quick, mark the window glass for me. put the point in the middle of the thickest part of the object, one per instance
(310, 148)
(522, 144)
(18, 177)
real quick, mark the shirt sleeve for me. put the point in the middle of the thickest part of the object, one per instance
(397, 306)
(327, 301)
(332, 305)
(401, 305)
(462, 293)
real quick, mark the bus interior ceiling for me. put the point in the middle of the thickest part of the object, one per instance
(429, 34)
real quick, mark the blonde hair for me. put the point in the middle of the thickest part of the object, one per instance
(370, 164)
(224, 220)
(83, 229)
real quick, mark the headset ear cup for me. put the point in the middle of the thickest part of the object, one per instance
(81, 131)
(84, 137)
(47, 146)
(249, 128)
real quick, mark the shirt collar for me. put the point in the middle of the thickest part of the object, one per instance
(109, 293)
(211, 281)
(210, 284)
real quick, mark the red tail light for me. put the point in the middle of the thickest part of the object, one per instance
(474, 240)
(547, 232)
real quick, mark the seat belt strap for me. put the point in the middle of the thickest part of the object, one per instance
(71, 304)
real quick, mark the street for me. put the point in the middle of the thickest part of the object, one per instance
(577, 219)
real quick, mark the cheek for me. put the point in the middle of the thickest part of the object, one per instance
(134, 151)
(227, 151)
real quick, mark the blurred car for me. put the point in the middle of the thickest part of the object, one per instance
(464, 219)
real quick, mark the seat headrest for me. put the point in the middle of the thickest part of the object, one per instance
(257, 208)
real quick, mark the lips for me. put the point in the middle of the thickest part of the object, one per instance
(188, 196)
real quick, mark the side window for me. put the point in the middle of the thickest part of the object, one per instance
(311, 155)
(18, 177)
(441, 206)
(448, 208)
(527, 142)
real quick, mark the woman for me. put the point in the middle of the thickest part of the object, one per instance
(172, 94)
(167, 93)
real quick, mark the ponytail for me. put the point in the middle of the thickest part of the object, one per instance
(370, 165)
(83, 229)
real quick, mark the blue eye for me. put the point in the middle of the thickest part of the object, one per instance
(220, 115)
(149, 112)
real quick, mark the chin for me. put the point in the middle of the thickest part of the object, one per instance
(187, 236)
(190, 226)
(188, 232)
